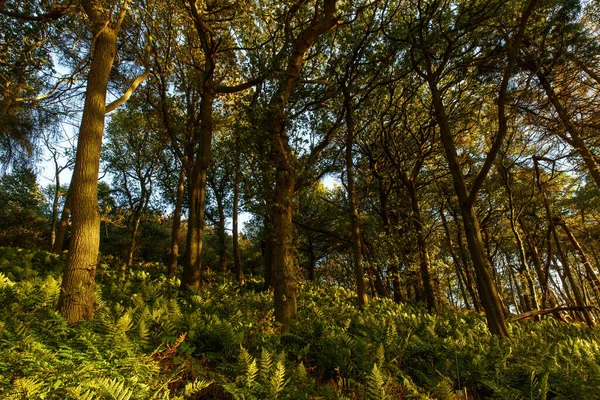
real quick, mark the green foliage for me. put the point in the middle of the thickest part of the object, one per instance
(148, 340)
(22, 219)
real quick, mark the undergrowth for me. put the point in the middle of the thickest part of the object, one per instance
(150, 341)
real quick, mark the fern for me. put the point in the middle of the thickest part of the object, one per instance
(277, 381)
(376, 385)
(266, 364)
(192, 388)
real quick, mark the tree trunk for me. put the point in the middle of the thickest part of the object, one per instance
(54, 219)
(532, 302)
(283, 159)
(462, 282)
(579, 300)
(489, 296)
(591, 274)
(192, 269)
(417, 223)
(176, 229)
(237, 261)
(355, 237)
(222, 236)
(137, 218)
(284, 277)
(76, 302)
(63, 225)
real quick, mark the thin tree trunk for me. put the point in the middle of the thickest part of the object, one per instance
(137, 218)
(579, 300)
(222, 236)
(54, 219)
(591, 275)
(77, 301)
(417, 223)
(459, 276)
(176, 228)
(488, 292)
(359, 275)
(63, 225)
(237, 261)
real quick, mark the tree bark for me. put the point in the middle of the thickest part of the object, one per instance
(176, 228)
(76, 302)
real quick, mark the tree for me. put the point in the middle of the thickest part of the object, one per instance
(76, 301)
(22, 219)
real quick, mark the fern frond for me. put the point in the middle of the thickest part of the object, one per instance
(376, 384)
(277, 381)
(192, 388)
(116, 389)
(266, 364)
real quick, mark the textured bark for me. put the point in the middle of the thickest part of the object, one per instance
(176, 229)
(192, 268)
(76, 302)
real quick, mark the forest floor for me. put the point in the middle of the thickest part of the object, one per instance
(148, 341)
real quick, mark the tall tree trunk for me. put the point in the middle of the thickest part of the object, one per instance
(267, 251)
(590, 273)
(137, 218)
(76, 302)
(537, 266)
(355, 237)
(579, 299)
(237, 261)
(488, 292)
(63, 224)
(176, 228)
(192, 268)
(417, 223)
(531, 296)
(283, 159)
(462, 282)
(222, 236)
(284, 277)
